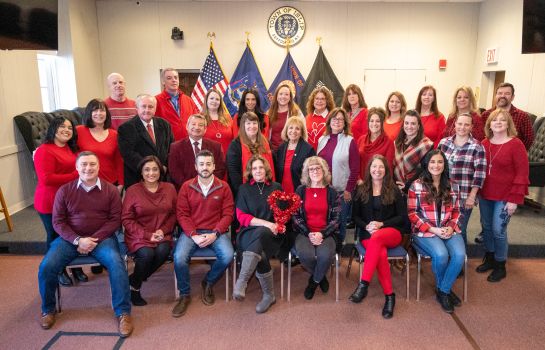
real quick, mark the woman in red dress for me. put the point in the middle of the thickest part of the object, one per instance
(354, 104)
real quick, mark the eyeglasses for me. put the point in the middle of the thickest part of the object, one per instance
(338, 120)
(315, 169)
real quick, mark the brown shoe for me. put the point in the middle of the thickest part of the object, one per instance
(125, 325)
(207, 294)
(48, 320)
(181, 307)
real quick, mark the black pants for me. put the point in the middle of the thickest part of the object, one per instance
(146, 261)
(260, 240)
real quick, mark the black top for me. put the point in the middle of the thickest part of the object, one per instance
(250, 201)
(303, 150)
(392, 215)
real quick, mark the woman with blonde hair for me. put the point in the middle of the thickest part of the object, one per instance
(282, 107)
(319, 104)
(218, 121)
(354, 104)
(463, 101)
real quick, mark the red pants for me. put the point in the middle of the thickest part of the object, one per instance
(376, 256)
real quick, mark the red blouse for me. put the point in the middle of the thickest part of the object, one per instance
(359, 125)
(287, 182)
(218, 132)
(316, 208)
(276, 130)
(434, 128)
(392, 130)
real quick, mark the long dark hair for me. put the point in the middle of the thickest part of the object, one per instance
(400, 139)
(443, 192)
(387, 192)
(92, 106)
(52, 130)
(242, 108)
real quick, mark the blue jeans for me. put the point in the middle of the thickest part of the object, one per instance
(346, 211)
(464, 220)
(447, 258)
(106, 252)
(47, 221)
(186, 247)
(494, 219)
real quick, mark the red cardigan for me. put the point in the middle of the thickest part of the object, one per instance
(178, 122)
(359, 126)
(111, 163)
(54, 166)
(434, 128)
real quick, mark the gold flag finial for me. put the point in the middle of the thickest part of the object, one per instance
(211, 35)
(319, 40)
(288, 42)
(247, 37)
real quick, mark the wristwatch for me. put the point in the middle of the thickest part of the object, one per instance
(76, 241)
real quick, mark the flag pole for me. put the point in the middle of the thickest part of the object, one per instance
(319, 40)
(247, 38)
(288, 41)
(211, 35)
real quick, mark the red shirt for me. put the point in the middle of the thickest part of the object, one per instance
(225, 133)
(120, 111)
(54, 166)
(287, 183)
(316, 208)
(177, 120)
(107, 151)
(315, 129)
(359, 126)
(392, 130)
(434, 128)
(276, 130)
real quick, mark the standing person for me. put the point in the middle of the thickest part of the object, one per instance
(316, 223)
(379, 211)
(181, 158)
(396, 106)
(86, 214)
(143, 135)
(504, 188)
(433, 121)
(149, 216)
(205, 210)
(282, 107)
(434, 213)
(338, 148)
(173, 105)
(54, 163)
(354, 104)
(250, 102)
(120, 106)
(467, 165)
(375, 141)
(319, 104)
(410, 148)
(249, 142)
(96, 135)
(464, 102)
(258, 238)
(505, 94)
(219, 125)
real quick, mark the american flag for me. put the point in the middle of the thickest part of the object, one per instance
(211, 77)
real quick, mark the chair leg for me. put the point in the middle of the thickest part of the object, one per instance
(234, 270)
(59, 308)
(336, 277)
(289, 277)
(407, 273)
(4, 210)
(465, 279)
(227, 272)
(176, 291)
(352, 253)
(418, 267)
(281, 280)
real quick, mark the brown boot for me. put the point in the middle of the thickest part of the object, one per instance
(181, 307)
(125, 325)
(207, 294)
(48, 320)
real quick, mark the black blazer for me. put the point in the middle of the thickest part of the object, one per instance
(303, 150)
(392, 215)
(135, 143)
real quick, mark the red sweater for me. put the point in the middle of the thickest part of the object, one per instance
(96, 213)
(120, 111)
(226, 132)
(177, 121)
(507, 175)
(434, 128)
(392, 130)
(212, 212)
(316, 208)
(145, 212)
(315, 129)
(359, 126)
(54, 166)
(111, 163)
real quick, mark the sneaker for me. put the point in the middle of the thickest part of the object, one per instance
(181, 306)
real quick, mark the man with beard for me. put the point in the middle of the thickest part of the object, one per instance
(205, 210)
(505, 94)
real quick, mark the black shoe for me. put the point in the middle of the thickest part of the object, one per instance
(498, 273)
(294, 261)
(479, 239)
(444, 300)
(97, 270)
(488, 263)
(324, 285)
(360, 293)
(64, 279)
(136, 298)
(79, 275)
(389, 303)
(454, 299)
(310, 289)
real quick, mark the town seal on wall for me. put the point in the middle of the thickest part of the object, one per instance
(286, 23)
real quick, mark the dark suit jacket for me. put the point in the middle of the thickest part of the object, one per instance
(135, 143)
(303, 150)
(181, 160)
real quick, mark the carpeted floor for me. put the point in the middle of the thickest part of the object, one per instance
(506, 315)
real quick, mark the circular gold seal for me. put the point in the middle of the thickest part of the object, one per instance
(286, 23)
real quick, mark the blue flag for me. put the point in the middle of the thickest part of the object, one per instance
(288, 74)
(246, 76)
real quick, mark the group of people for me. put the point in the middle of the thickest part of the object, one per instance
(391, 171)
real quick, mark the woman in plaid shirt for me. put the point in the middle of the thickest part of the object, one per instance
(434, 211)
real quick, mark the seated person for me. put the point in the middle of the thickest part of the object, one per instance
(316, 222)
(149, 216)
(204, 210)
(86, 214)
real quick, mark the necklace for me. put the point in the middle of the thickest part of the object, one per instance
(492, 157)
(355, 113)
(260, 188)
(218, 133)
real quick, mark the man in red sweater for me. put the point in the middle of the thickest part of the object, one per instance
(121, 108)
(173, 105)
(205, 210)
(86, 214)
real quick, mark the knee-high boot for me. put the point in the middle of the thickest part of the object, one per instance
(249, 263)
(266, 282)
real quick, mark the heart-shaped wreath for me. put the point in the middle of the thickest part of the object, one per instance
(283, 206)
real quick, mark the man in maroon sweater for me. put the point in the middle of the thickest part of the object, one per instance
(204, 210)
(86, 214)
(181, 159)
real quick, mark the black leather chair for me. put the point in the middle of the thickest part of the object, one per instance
(33, 127)
(536, 158)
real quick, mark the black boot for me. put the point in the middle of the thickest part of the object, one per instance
(64, 279)
(311, 288)
(324, 285)
(389, 303)
(136, 298)
(444, 300)
(488, 263)
(360, 293)
(498, 273)
(79, 275)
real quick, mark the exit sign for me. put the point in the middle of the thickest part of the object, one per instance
(492, 55)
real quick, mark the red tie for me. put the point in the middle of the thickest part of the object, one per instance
(197, 148)
(150, 132)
